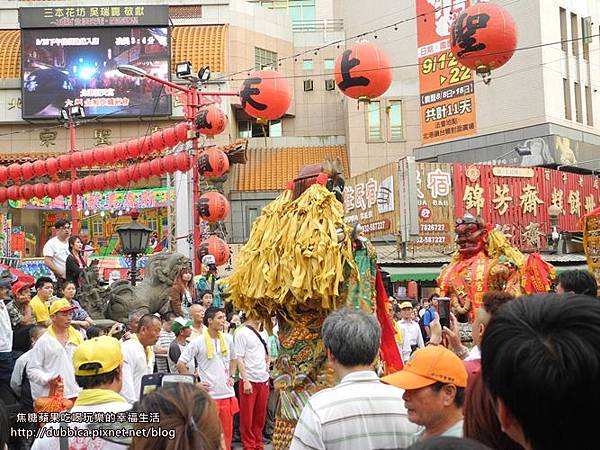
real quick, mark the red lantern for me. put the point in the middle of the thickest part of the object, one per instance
(363, 71)
(157, 141)
(156, 167)
(170, 136)
(134, 173)
(265, 95)
(169, 163)
(76, 187)
(39, 168)
(120, 152)
(134, 148)
(181, 130)
(122, 177)
(217, 247)
(3, 174)
(213, 206)
(88, 158)
(109, 154)
(183, 161)
(14, 171)
(111, 179)
(146, 145)
(26, 192)
(52, 166)
(39, 190)
(211, 121)
(99, 182)
(64, 188)
(213, 163)
(493, 42)
(3, 194)
(52, 190)
(64, 162)
(76, 159)
(144, 170)
(27, 171)
(99, 156)
(88, 183)
(13, 193)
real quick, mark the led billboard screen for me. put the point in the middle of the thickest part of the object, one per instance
(67, 66)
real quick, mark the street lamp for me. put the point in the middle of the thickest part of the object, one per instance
(134, 239)
(193, 102)
(68, 114)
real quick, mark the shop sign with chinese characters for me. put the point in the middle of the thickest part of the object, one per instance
(446, 88)
(517, 199)
(371, 199)
(591, 241)
(435, 204)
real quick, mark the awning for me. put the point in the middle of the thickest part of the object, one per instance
(561, 269)
(412, 273)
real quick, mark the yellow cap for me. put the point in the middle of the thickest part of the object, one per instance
(60, 306)
(103, 350)
(404, 305)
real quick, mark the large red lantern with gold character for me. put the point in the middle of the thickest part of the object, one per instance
(211, 121)
(214, 246)
(484, 37)
(363, 71)
(213, 206)
(265, 95)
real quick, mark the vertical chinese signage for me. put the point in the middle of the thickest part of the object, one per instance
(371, 199)
(446, 88)
(435, 204)
(517, 199)
(591, 241)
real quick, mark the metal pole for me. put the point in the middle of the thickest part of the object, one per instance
(74, 209)
(133, 273)
(192, 105)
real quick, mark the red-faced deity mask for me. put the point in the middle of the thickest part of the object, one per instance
(471, 239)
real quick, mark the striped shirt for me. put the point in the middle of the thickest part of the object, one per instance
(359, 413)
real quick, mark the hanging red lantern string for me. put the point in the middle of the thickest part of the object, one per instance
(109, 154)
(121, 151)
(14, 171)
(134, 173)
(99, 156)
(181, 131)
(183, 161)
(111, 179)
(39, 168)
(122, 177)
(53, 190)
(39, 189)
(76, 159)
(146, 145)
(27, 170)
(99, 182)
(88, 183)
(156, 167)
(170, 136)
(64, 162)
(133, 148)
(265, 95)
(157, 141)
(64, 188)
(144, 169)
(3, 194)
(26, 192)
(170, 163)
(3, 174)
(77, 187)
(52, 166)
(88, 158)
(13, 193)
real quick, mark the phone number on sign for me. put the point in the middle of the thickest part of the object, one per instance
(432, 240)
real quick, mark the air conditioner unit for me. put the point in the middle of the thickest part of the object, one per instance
(308, 85)
(330, 85)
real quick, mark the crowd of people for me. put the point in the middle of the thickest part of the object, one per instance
(199, 376)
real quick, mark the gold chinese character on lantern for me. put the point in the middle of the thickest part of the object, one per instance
(48, 137)
(557, 199)
(101, 135)
(590, 203)
(532, 235)
(473, 197)
(574, 202)
(530, 200)
(502, 199)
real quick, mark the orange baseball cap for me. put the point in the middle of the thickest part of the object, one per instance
(430, 365)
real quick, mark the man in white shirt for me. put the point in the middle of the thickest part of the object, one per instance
(52, 355)
(6, 335)
(98, 365)
(213, 351)
(138, 356)
(56, 249)
(253, 363)
(360, 412)
(411, 332)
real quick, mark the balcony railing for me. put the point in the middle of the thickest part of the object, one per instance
(321, 25)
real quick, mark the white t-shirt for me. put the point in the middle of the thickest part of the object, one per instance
(250, 349)
(53, 443)
(214, 371)
(6, 332)
(137, 364)
(58, 251)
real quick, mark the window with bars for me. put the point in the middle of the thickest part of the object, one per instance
(264, 59)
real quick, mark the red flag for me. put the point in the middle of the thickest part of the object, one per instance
(389, 350)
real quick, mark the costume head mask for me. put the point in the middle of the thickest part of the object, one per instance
(471, 235)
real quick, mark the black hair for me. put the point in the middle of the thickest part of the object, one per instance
(578, 282)
(540, 357)
(41, 281)
(447, 443)
(170, 315)
(61, 223)
(145, 321)
(210, 313)
(204, 292)
(92, 381)
(93, 332)
(459, 398)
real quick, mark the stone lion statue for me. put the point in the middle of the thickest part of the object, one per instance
(118, 300)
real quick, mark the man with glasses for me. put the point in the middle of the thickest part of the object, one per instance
(56, 250)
